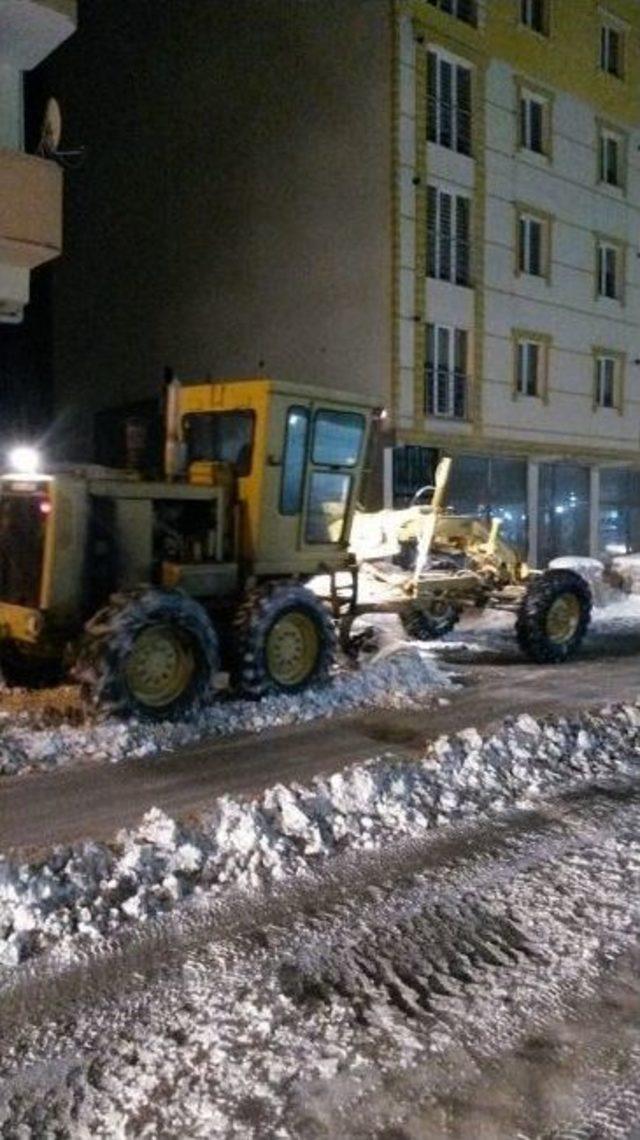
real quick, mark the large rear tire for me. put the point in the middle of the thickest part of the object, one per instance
(152, 653)
(554, 616)
(285, 640)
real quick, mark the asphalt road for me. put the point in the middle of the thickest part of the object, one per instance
(96, 800)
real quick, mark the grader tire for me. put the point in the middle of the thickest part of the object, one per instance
(150, 653)
(554, 616)
(285, 640)
(423, 626)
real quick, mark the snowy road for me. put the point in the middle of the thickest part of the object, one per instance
(480, 984)
(96, 800)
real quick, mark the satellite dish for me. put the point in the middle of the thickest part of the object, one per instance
(51, 129)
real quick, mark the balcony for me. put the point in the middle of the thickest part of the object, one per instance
(30, 210)
(31, 29)
(446, 393)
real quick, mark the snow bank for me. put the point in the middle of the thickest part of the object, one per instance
(403, 676)
(91, 890)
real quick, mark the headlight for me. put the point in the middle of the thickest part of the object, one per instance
(24, 460)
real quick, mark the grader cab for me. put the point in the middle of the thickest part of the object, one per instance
(150, 587)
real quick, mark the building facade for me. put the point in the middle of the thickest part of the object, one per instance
(436, 201)
(517, 280)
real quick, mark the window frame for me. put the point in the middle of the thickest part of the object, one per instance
(527, 92)
(528, 214)
(605, 244)
(608, 27)
(607, 132)
(436, 117)
(459, 268)
(527, 7)
(456, 337)
(454, 7)
(618, 360)
(542, 342)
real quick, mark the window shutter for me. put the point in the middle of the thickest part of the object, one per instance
(432, 96)
(462, 241)
(524, 136)
(445, 102)
(432, 206)
(463, 110)
(535, 111)
(444, 235)
(535, 248)
(460, 352)
(532, 368)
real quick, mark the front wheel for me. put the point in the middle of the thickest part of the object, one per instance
(554, 616)
(151, 653)
(428, 625)
(285, 640)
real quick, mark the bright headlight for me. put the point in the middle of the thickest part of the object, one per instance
(24, 460)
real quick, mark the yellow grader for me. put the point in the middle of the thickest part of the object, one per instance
(429, 565)
(149, 588)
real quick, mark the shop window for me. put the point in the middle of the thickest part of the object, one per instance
(619, 510)
(492, 488)
(563, 523)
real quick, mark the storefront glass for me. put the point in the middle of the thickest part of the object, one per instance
(619, 510)
(492, 488)
(563, 521)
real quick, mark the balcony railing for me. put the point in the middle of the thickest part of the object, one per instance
(466, 10)
(445, 393)
(30, 209)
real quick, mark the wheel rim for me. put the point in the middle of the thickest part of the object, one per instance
(292, 648)
(563, 619)
(160, 666)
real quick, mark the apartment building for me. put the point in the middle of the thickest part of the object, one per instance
(433, 200)
(517, 279)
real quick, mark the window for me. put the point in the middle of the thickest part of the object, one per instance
(609, 270)
(611, 50)
(605, 382)
(448, 103)
(446, 372)
(337, 442)
(220, 437)
(448, 236)
(533, 245)
(534, 14)
(492, 488)
(534, 123)
(529, 367)
(610, 161)
(337, 438)
(466, 10)
(619, 510)
(294, 461)
(609, 366)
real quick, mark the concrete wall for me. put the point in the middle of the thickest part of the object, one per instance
(233, 213)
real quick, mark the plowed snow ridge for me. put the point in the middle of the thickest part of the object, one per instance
(87, 892)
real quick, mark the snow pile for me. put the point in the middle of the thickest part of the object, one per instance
(403, 676)
(91, 890)
(628, 567)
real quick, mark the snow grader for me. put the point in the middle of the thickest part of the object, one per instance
(153, 590)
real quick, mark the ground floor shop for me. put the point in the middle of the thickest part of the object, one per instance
(548, 508)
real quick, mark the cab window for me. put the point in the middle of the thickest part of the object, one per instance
(294, 461)
(337, 442)
(220, 437)
(337, 438)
